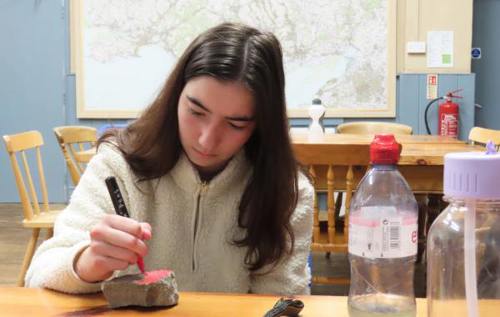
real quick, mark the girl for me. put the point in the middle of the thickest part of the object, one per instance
(208, 175)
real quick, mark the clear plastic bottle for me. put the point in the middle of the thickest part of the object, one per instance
(463, 245)
(383, 237)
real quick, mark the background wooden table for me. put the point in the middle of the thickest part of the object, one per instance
(421, 162)
(37, 302)
(418, 151)
(337, 162)
(332, 138)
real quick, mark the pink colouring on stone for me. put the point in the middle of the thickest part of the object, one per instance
(153, 277)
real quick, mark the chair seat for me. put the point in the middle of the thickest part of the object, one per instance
(42, 220)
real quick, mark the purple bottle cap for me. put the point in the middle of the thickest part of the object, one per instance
(473, 174)
(490, 147)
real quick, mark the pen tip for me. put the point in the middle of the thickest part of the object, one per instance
(140, 264)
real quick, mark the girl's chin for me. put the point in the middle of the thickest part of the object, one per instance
(204, 165)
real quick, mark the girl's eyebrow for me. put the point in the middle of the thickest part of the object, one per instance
(197, 103)
(230, 118)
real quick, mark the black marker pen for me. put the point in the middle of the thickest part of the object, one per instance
(120, 208)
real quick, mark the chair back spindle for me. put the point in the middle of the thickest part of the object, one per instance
(19, 145)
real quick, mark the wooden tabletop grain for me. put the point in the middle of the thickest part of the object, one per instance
(16, 301)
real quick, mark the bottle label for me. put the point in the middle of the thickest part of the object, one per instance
(383, 235)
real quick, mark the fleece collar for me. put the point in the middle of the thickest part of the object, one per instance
(236, 171)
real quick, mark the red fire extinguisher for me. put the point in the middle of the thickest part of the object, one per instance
(448, 120)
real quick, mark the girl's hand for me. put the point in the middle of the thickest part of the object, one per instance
(115, 243)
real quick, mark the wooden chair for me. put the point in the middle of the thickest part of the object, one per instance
(343, 165)
(482, 135)
(373, 127)
(74, 140)
(35, 217)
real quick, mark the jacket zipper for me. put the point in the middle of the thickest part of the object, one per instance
(203, 188)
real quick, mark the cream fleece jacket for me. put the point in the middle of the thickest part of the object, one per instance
(193, 225)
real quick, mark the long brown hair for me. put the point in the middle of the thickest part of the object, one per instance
(151, 144)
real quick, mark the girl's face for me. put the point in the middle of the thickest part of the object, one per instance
(216, 119)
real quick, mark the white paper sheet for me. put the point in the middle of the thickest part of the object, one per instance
(440, 49)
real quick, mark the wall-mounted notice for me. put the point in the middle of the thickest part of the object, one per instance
(440, 49)
(432, 86)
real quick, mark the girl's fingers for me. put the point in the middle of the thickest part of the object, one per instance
(141, 230)
(116, 242)
(124, 224)
(109, 235)
(146, 231)
(113, 252)
(92, 266)
(110, 264)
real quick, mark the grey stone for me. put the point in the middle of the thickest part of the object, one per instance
(136, 290)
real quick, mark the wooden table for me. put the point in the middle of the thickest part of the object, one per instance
(16, 301)
(330, 138)
(337, 162)
(421, 162)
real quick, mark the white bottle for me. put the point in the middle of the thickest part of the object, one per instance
(316, 112)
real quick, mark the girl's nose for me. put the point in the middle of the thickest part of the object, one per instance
(208, 139)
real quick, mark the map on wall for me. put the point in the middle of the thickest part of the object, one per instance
(333, 50)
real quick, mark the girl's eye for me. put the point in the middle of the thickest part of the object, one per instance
(236, 127)
(196, 113)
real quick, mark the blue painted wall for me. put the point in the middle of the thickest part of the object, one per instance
(37, 91)
(487, 69)
(33, 50)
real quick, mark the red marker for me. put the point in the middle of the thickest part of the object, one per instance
(120, 208)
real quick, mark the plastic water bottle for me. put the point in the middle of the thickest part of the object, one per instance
(383, 237)
(463, 245)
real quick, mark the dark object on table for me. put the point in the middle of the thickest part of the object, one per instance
(286, 307)
(155, 288)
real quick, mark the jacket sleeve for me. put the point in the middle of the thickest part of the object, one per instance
(292, 275)
(52, 264)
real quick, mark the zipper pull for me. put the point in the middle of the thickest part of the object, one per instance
(204, 187)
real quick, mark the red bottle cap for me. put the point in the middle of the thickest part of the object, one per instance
(384, 149)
